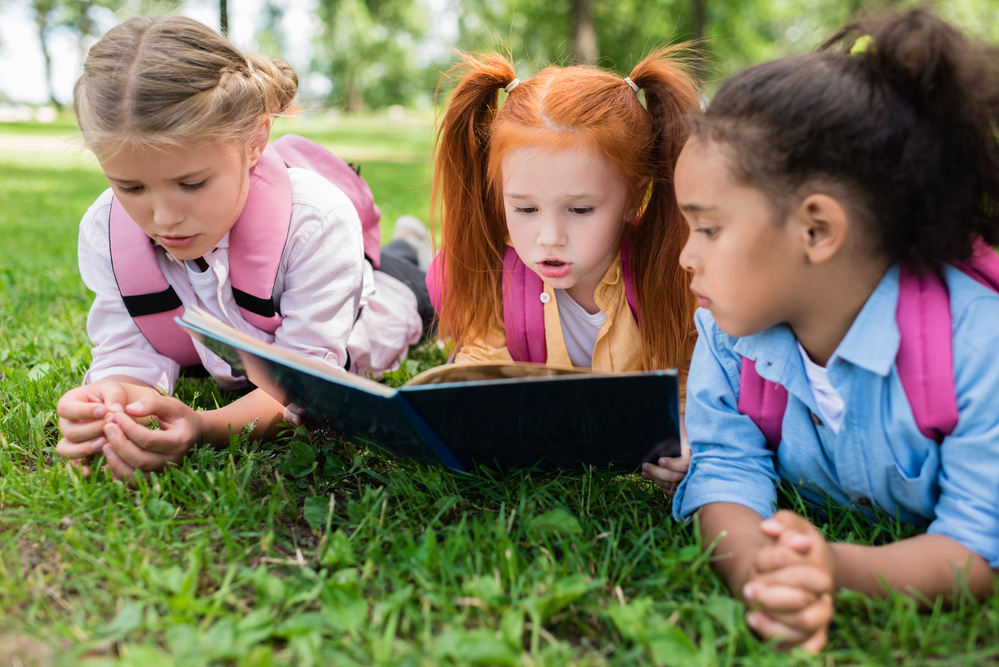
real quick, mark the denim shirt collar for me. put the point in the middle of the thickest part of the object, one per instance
(871, 343)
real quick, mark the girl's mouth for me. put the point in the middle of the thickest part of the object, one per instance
(553, 268)
(176, 241)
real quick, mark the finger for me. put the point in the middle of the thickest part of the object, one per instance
(119, 468)
(79, 432)
(79, 450)
(130, 453)
(769, 628)
(164, 408)
(806, 621)
(292, 417)
(77, 408)
(816, 642)
(800, 543)
(677, 465)
(776, 598)
(776, 556)
(171, 443)
(669, 488)
(660, 474)
(803, 576)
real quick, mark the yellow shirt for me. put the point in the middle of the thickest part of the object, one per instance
(618, 347)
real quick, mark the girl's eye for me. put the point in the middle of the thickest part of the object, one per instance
(526, 209)
(581, 210)
(128, 190)
(194, 186)
(707, 231)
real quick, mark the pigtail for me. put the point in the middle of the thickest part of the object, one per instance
(950, 85)
(655, 243)
(472, 226)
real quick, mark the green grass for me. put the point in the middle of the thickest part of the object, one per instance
(311, 550)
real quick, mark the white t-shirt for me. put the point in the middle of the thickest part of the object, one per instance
(580, 329)
(827, 399)
(322, 282)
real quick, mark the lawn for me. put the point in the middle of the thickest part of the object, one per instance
(311, 550)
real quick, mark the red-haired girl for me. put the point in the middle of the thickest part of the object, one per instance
(568, 186)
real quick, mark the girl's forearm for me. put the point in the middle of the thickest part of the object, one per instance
(741, 538)
(256, 406)
(929, 564)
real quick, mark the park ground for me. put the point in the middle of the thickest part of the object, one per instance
(311, 550)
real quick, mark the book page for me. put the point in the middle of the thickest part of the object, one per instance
(200, 322)
(472, 373)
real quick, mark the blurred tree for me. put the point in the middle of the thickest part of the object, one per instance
(224, 17)
(584, 34)
(367, 48)
(44, 19)
(270, 38)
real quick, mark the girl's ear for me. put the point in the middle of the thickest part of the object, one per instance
(824, 227)
(259, 139)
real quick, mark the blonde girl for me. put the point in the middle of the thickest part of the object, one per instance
(179, 121)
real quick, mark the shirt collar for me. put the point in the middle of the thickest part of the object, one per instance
(871, 342)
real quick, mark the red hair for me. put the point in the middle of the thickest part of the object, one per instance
(561, 108)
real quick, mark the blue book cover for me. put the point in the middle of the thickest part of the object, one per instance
(516, 415)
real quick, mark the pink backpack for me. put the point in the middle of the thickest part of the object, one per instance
(256, 242)
(523, 310)
(925, 354)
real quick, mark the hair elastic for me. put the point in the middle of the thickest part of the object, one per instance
(513, 84)
(631, 83)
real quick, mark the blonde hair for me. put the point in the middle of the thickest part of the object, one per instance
(169, 81)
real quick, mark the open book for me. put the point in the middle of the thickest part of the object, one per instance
(515, 415)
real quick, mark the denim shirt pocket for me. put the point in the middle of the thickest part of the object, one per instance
(916, 496)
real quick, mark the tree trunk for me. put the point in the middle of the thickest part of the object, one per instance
(42, 21)
(224, 17)
(700, 51)
(584, 35)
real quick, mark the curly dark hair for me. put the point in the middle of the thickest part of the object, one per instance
(906, 126)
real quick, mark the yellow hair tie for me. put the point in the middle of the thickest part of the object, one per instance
(863, 44)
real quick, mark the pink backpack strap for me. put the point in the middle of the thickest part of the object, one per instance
(925, 358)
(257, 240)
(523, 310)
(298, 151)
(762, 401)
(983, 265)
(436, 279)
(147, 295)
(629, 282)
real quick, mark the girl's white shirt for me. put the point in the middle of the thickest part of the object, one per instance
(323, 281)
(580, 329)
(827, 399)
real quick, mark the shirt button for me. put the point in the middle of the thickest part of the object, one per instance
(545, 297)
(816, 420)
(864, 502)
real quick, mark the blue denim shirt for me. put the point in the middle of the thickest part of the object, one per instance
(879, 461)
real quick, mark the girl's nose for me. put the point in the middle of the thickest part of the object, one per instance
(688, 260)
(550, 232)
(166, 213)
